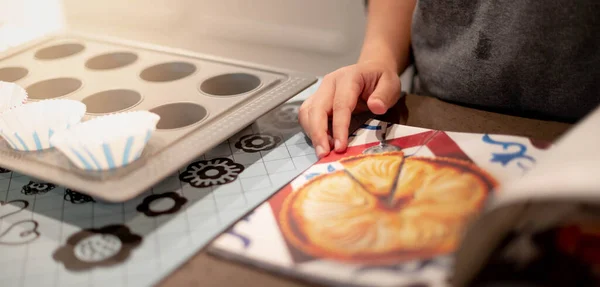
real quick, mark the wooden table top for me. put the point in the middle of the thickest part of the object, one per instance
(207, 270)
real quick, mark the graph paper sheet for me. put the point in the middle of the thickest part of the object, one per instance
(52, 236)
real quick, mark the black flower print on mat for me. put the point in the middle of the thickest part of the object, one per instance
(20, 232)
(286, 116)
(257, 142)
(35, 188)
(76, 197)
(206, 173)
(90, 248)
(145, 206)
(4, 170)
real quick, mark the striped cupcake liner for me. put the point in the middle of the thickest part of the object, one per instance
(104, 143)
(108, 156)
(11, 96)
(35, 141)
(30, 127)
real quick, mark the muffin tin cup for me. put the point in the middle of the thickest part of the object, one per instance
(53, 88)
(178, 116)
(13, 74)
(230, 85)
(30, 127)
(107, 142)
(111, 61)
(59, 51)
(112, 101)
(167, 72)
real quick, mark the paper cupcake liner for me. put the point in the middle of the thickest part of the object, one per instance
(107, 142)
(11, 96)
(29, 127)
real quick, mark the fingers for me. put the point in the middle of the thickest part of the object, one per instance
(385, 95)
(338, 96)
(317, 117)
(347, 92)
(313, 116)
(303, 116)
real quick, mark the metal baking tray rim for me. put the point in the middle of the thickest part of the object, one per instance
(167, 161)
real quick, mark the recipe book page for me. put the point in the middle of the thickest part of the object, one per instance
(548, 219)
(389, 211)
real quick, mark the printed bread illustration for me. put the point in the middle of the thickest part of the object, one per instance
(384, 208)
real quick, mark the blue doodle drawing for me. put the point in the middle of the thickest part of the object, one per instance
(311, 175)
(370, 127)
(330, 168)
(505, 158)
(243, 238)
(366, 127)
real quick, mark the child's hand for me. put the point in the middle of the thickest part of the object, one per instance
(356, 88)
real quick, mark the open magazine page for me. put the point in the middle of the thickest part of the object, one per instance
(547, 220)
(390, 211)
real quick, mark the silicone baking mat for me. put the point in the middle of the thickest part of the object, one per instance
(201, 100)
(53, 236)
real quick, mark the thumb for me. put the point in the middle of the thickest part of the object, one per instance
(385, 95)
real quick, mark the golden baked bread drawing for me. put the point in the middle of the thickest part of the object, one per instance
(384, 208)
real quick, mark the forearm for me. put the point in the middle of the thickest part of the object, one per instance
(387, 36)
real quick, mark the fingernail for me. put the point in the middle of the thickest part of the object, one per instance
(379, 106)
(320, 151)
(338, 145)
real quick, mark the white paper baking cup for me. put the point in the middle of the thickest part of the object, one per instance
(29, 127)
(107, 142)
(11, 96)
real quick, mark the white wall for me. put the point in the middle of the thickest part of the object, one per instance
(24, 20)
(313, 36)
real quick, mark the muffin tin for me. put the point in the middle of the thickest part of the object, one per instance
(201, 100)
